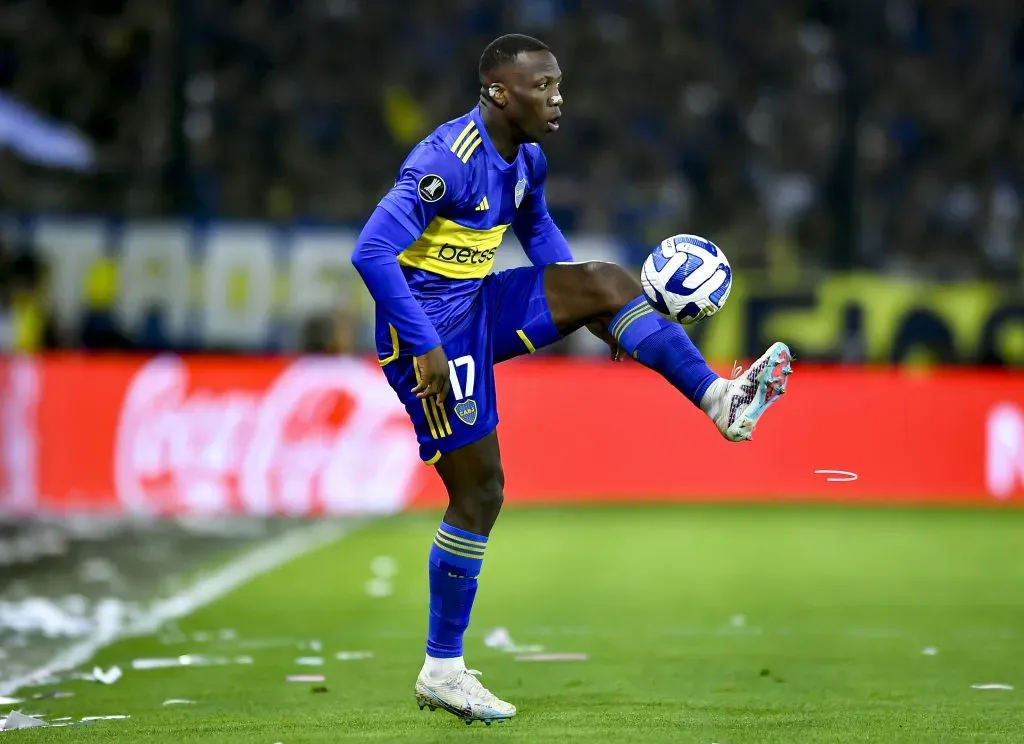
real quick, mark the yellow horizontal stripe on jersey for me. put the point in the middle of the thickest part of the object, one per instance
(458, 140)
(455, 251)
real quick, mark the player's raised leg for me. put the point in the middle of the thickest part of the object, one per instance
(597, 292)
(475, 482)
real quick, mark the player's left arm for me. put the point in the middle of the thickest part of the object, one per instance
(540, 237)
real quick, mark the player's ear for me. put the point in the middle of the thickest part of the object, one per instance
(496, 92)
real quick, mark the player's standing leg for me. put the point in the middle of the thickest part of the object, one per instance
(512, 319)
(603, 293)
(473, 477)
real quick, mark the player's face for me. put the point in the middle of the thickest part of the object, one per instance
(535, 102)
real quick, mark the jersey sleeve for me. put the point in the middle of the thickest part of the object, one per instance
(375, 257)
(540, 237)
(429, 182)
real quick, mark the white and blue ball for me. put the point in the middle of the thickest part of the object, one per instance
(686, 278)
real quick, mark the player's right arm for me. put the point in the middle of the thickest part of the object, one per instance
(428, 183)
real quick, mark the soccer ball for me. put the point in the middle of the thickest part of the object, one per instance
(686, 278)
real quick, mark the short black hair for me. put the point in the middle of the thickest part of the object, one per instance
(505, 49)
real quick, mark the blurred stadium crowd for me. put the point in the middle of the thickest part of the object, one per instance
(740, 119)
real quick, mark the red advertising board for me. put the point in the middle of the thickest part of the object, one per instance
(322, 435)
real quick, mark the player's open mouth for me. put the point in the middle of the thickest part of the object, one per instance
(553, 125)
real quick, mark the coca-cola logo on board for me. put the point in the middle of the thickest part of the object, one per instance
(327, 435)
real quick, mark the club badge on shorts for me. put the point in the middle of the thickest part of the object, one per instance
(467, 411)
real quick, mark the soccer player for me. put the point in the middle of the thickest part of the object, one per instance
(443, 322)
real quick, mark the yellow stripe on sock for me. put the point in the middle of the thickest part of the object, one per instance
(462, 540)
(450, 545)
(632, 320)
(459, 553)
(636, 312)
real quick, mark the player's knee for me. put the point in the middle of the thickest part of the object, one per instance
(477, 506)
(607, 286)
(490, 493)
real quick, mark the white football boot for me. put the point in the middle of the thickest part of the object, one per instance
(736, 405)
(462, 695)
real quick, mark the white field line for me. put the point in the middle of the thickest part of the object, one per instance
(209, 588)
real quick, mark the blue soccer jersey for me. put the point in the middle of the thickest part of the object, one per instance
(426, 255)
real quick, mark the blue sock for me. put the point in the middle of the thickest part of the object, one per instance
(662, 345)
(455, 561)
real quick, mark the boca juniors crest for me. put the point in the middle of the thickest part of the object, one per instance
(520, 191)
(467, 411)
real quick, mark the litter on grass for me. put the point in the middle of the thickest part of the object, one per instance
(309, 661)
(929, 651)
(353, 655)
(188, 660)
(384, 566)
(992, 686)
(108, 676)
(306, 678)
(500, 639)
(179, 701)
(379, 587)
(53, 695)
(552, 657)
(17, 720)
(10, 700)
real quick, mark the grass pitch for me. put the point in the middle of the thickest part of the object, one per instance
(730, 625)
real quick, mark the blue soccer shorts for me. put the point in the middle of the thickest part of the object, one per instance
(509, 318)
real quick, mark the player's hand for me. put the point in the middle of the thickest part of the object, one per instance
(601, 331)
(433, 375)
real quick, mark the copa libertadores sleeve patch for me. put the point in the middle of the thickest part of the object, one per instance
(431, 188)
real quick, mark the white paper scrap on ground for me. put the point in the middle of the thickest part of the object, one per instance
(17, 720)
(992, 686)
(552, 657)
(379, 587)
(500, 639)
(107, 677)
(384, 565)
(188, 660)
(306, 678)
(353, 655)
